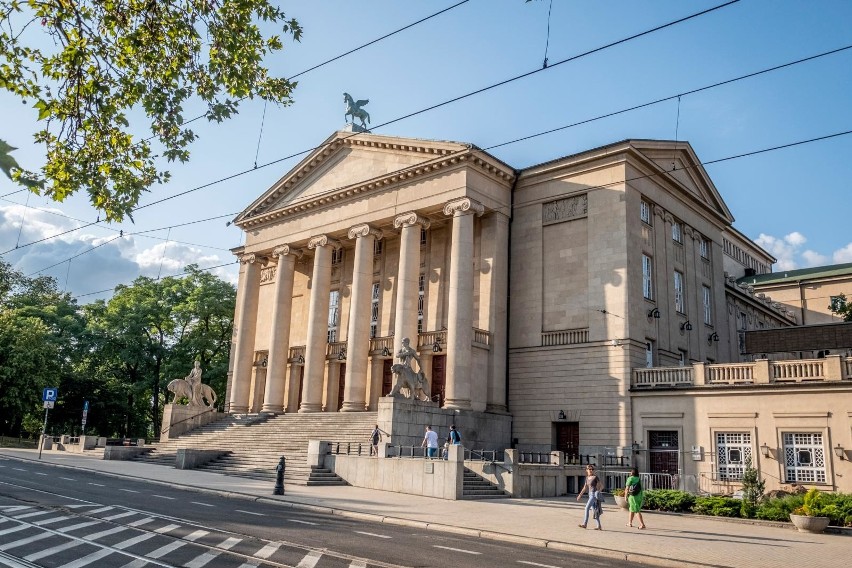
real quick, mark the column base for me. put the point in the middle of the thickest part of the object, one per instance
(310, 407)
(274, 408)
(497, 408)
(457, 404)
(357, 406)
(234, 409)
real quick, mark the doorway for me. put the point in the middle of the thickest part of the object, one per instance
(568, 439)
(439, 365)
(341, 383)
(387, 377)
(663, 456)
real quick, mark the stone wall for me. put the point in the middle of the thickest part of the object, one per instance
(179, 419)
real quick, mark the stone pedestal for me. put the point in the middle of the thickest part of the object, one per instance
(179, 419)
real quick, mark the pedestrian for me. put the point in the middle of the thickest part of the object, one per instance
(635, 495)
(593, 486)
(375, 438)
(454, 438)
(430, 442)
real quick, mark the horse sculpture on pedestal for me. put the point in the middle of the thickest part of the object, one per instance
(353, 109)
(407, 377)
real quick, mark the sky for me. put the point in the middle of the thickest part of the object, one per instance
(790, 201)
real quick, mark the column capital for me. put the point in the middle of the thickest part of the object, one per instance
(323, 240)
(363, 230)
(410, 218)
(462, 206)
(252, 258)
(284, 250)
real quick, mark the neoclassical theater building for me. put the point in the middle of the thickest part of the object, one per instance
(589, 304)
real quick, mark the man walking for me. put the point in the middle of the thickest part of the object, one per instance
(430, 442)
(375, 438)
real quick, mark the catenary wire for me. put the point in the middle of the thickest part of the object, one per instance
(169, 276)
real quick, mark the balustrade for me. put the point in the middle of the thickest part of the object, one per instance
(799, 370)
(662, 377)
(730, 374)
(565, 337)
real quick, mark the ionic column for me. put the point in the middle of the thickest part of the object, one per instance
(279, 338)
(245, 333)
(358, 334)
(460, 309)
(407, 278)
(317, 340)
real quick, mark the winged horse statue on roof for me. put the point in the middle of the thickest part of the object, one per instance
(353, 109)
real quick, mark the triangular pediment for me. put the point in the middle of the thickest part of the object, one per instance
(346, 159)
(680, 164)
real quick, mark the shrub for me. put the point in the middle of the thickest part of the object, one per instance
(778, 509)
(668, 500)
(838, 507)
(618, 492)
(753, 488)
(717, 506)
(812, 507)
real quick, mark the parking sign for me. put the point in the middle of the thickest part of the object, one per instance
(49, 395)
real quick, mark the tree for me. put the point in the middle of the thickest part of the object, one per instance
(840, 307)
(105, 60)
(753, 488)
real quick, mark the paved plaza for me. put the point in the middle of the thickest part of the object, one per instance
(670, 540)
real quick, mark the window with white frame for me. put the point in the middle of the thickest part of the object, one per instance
(680, 304)
(804, 457)
(374, 309)
(647, 277)
(677, 233)
(645, 211)
(733, 450)
(333, 315)
(707, 301)
(336, 256)
(421, 294)
(649, 353)
(704, 248)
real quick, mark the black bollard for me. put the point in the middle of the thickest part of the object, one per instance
(279, 479)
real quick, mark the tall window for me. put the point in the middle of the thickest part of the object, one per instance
(704, 248)
(649, 353)
(647, 277)
(733, 450)
(378, 247)
(421, 293)
(707, 299)
(682, 361)
(645, 211)
(423, 235)
(333, 315)
(374, 309)
(680, 304)
(677, 234)
(336, 256)
(804, 457)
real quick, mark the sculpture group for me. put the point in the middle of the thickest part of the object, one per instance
(353, 109)
(192, 389)
(406, 377)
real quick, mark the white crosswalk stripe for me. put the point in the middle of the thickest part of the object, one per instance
(119, 516)
(100, 510)
(133, 541)
(141, 522)
(13, 508)
(169, 528)
(13, 529)
(23, 541)
(78, 526)
(163, 550)
(50, 521)
(268, 550)
(86, 560)
(51, 551)
(358, 564)
(30, 515)
(97, 535)
(138, 563)
(310, 560)
(205, 558)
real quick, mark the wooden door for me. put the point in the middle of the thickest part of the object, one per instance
(301, 379)
(439, 365)
(341, 383)
(568, 438)
(387, 377)
(663, 454)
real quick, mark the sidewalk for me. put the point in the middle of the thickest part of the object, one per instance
(670, 540)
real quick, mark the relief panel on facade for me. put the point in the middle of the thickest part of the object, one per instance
(565, 209)
(267, 275)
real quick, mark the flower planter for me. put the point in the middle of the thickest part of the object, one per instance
(621, 501)
(809, 524)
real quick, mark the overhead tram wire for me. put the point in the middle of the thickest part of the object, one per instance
(104, 291)
(627, 181)
(567, 126)
(452, 100)
(317, 66)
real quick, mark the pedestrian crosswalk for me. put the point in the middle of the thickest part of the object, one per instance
(80, 536)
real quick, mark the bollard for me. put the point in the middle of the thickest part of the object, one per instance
(279, 479)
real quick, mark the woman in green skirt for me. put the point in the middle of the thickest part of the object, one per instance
(635, 494)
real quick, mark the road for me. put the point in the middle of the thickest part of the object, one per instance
(59, 518)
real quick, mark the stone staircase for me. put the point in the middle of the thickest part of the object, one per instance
(474, 487)
(256, 442)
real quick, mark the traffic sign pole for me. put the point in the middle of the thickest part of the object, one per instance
(48, 396)
(43, 431)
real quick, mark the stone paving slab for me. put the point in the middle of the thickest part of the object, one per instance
(670, 540)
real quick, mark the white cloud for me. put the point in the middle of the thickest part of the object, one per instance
(843, 255)
(813, 258)
(784, 249)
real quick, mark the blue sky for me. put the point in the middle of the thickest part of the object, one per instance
(791, 201)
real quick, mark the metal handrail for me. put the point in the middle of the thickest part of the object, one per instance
(209, 409)
(492, 461)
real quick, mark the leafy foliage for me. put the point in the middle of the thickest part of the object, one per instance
(839, 306)
(778, 509)
(812, 505)
(668, 500)
(717, 506)
(106, 61)
(753, 488)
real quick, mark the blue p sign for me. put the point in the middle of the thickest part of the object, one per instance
(49, 395)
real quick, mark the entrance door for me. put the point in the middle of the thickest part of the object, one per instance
(301, 379)
(439, 365)
(568, 439)
(663, 456)
(340, 385)
(387, 377)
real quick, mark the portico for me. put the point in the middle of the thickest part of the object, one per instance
(369, 240)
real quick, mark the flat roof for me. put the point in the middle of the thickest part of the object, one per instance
(799, 274)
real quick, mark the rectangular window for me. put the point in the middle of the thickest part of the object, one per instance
(680, 304)
(645, 211)
(647, 277)
(336, 256)
(421, 293)
(707, 299)
(733, 450)
(378, 247)
(374, 309)
(804, 457)
(836, 303)
(704, 248)
(423, 237)
(682, 361)
(649, 353)
(333, 315)
(677, 235)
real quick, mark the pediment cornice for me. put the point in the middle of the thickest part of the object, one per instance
(444, 159)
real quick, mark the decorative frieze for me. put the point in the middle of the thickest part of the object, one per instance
(267, 275)
(567, 209)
